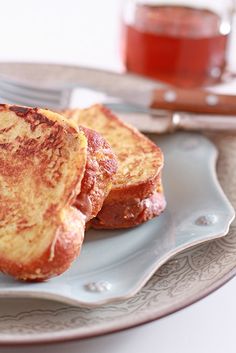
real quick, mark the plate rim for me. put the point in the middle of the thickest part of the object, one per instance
(74, 334)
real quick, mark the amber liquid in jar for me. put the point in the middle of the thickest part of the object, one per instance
(180, 45)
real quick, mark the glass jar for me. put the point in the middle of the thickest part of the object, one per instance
(183, 43)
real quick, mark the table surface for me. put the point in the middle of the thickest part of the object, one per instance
(85, 32)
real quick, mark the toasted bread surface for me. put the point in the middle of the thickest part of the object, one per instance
(42, 164)
(136, 194)
(140, 160)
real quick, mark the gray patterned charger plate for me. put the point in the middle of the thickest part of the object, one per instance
(183, 279)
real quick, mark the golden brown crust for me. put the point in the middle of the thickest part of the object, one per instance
(136, 187)
(42, 164)
(100, 169)
(132, 212)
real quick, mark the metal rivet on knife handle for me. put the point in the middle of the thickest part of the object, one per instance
(170, 96)
(212, 99)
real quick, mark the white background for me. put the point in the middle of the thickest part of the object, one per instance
(86, 32)
(64, 31)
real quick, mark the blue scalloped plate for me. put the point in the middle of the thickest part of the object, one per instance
(114, 265)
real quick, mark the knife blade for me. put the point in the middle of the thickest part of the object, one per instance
(131, 88)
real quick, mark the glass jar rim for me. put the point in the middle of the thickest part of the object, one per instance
(218, 7)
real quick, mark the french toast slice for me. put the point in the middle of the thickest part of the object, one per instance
(42, 164)
(136, 194)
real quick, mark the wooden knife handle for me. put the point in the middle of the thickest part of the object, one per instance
(193, 100)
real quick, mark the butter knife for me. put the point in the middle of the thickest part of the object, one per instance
(130, 88)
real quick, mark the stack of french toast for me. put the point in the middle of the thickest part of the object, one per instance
(63, 173)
